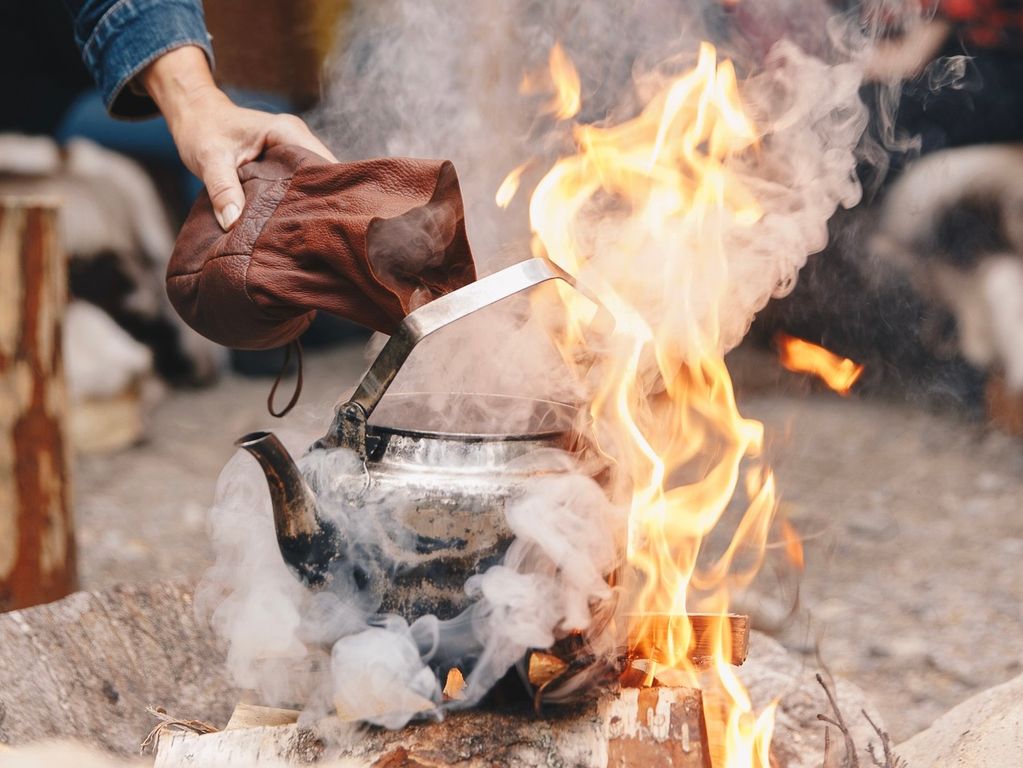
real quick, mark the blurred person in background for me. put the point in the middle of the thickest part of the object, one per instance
(950, 107)
(950, 221)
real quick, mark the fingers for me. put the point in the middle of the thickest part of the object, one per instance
(289, 129)
(220, 175)
(232, 139)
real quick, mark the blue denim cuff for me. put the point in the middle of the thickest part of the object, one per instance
(130, 36)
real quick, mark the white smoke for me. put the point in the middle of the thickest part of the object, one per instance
(435, 79)
(441, 79)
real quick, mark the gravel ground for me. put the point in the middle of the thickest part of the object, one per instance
(912, 588)
(914, 535)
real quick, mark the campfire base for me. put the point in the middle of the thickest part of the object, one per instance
(633, 726)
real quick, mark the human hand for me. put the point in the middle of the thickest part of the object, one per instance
(213, 135)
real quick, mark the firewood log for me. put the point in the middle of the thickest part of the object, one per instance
(37, 554)
(649, 727)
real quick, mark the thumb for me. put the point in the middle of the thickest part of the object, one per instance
(221, 180)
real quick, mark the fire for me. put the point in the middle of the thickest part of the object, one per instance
(510, 185)
(801, 356)
(566, 82)
(793, 545)
(640, 215)
(562, 78)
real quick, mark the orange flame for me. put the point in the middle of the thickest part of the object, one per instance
(510, 185)
(639, 215)
(793, 545)
(561, 77)
(566, 82)
(800, 356)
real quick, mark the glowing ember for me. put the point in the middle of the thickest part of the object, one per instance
(454, 685)
(801, 356)
(640, 214)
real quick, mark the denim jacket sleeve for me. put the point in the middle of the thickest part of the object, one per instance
(119, 38)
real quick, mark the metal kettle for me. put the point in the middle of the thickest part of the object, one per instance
(456, 485)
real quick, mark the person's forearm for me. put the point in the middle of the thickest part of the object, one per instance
(163, 46)
(179, 81)
(120, 38)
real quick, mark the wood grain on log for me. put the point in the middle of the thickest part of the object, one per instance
(253, 716)
(706, 629)
(37, 558)
(657, 727)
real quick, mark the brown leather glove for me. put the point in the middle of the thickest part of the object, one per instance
(368, 241)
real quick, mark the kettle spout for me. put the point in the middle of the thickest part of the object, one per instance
(309, 545)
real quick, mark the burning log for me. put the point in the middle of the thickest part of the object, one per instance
(37, 558)
(658, 633)
(651, 640)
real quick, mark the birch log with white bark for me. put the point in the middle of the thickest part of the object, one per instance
(37, 557)
(652, 727)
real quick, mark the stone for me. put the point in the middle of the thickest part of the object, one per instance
(770, 673)
(86, 667)
(985, 731)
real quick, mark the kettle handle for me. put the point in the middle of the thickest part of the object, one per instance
(349, 427)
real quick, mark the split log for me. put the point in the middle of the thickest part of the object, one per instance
(37, 557)
(86, 667)
(253, 716)
(705, 631)
(656, 727)
(296, 35)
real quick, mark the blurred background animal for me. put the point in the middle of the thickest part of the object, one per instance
(953, 224)
(118, 237)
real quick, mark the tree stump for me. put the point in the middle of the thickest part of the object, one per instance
(37, 556)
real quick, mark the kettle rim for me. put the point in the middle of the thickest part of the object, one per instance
(385, 421)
